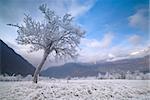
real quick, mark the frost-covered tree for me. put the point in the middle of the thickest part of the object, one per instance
(56, 36)
(100, 76)
(108, 76)
(138, 75)
(128, 75)
(68, 78)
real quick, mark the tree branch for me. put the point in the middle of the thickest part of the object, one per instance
(13, 25)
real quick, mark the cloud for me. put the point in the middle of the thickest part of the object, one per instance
(93, 49)
(73, 7)
(135, 39)
(76, 8)
(101, 50)
(140, 19)
(144, 51)
(107, 40)
(93, 43)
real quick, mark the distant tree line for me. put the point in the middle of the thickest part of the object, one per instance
(136, 75)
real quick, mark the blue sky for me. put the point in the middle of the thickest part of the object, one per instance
(114, 28)
(112, 15)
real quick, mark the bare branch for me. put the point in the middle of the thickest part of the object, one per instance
(14, 25)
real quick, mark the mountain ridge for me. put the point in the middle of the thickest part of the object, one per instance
(89, 69)
(13, 63)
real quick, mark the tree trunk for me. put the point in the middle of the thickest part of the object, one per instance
(38, 69)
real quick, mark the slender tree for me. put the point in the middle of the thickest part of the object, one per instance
(56, 36)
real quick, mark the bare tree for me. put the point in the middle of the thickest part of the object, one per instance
(56, 36)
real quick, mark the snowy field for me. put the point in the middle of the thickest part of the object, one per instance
(76, 90)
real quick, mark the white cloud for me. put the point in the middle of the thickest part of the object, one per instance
(93, 43)
(107, 40)
(111, 55)
(135, 39)
(96, 50)
(134, 53)
(140, 19)
(140, 52)
(93, 50)
(76, 8)
(73, 7)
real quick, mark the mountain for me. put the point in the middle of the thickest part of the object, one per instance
(12, 63)
(89, 69)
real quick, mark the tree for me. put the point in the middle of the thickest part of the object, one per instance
(129, 75)
(68, 78)
(100, 76)
(56, 36)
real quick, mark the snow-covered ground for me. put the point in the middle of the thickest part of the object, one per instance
(76, 90)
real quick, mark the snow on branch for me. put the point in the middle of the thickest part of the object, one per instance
(57, 35)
